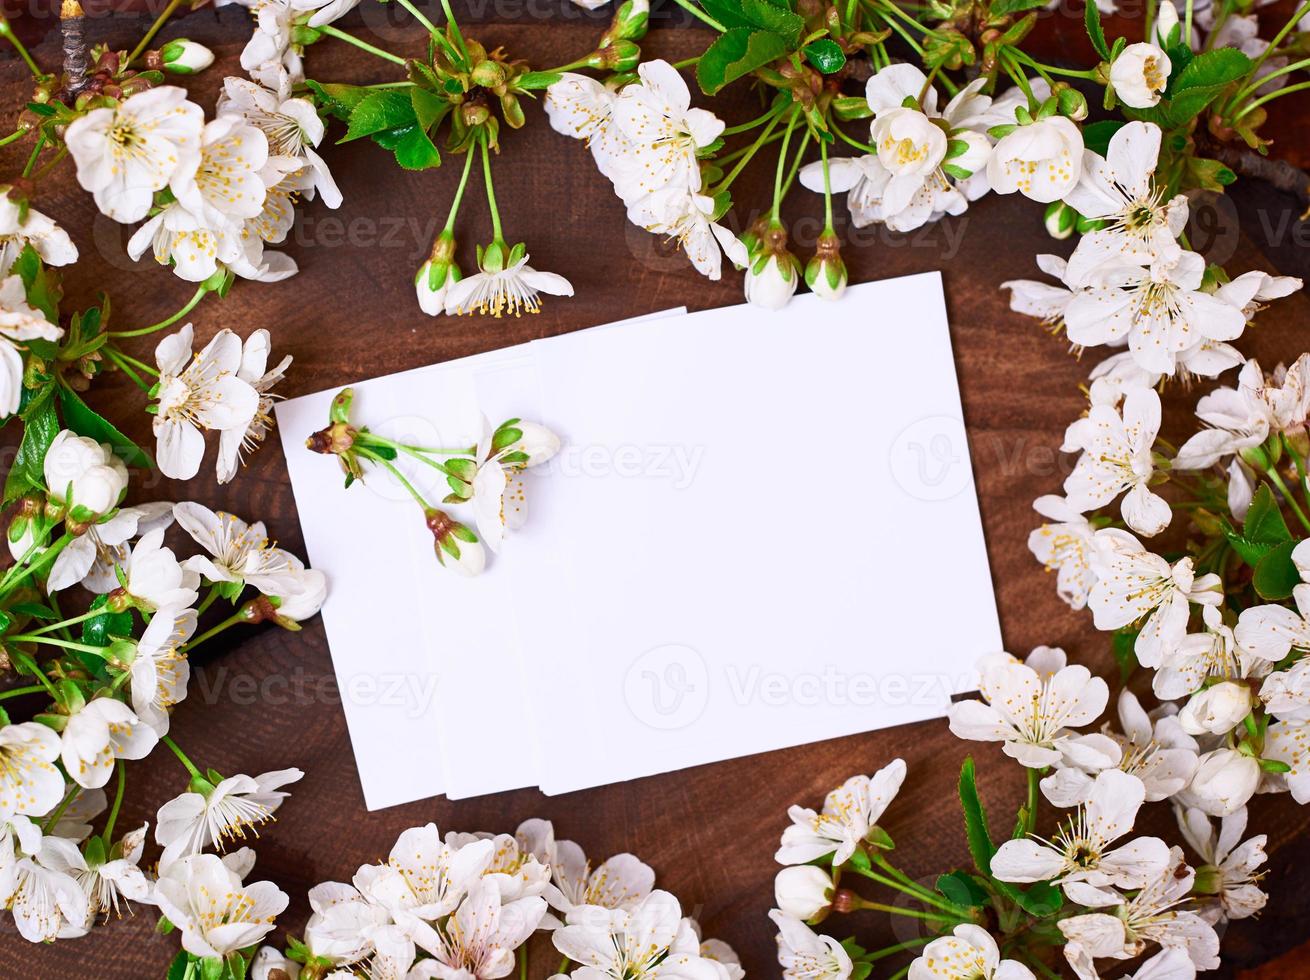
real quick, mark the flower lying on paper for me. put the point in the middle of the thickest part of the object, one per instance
(488, 479)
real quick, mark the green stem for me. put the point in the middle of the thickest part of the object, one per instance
(1279, 37)
(796, 163)
(1030, 819)
(182, 757)
(491, 190)
(236, 617)
(782, 163)
(15, 135)
(563, 965)
(1187, 23)
(909, 913)
(852, 141)
(341, 35)
(454, 27)
(419, 16)
(55, 641)
(911, 887)
(150, 33)
(699, 14)
(15, 692)
(687, 63)
(36, 152)
(67, 801)
(886, 951)
(1258, 83)
(68, 622)
(773, 112)
(8, 32)
(523, 962)
(390, 468)
(208, 600)
(1048, 69)
(747, 155)
(1287, 90)
(827, 188)
(1272, 473)
(108, 834)
(50, 164)
(120, 361)
(459, 191)
(190, 305)
(19, 572)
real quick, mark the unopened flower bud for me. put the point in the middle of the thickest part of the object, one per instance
(773, 273)
(512, 111)
(1216, 710)
(630, 22)
(1224, 781)
(474, 114)
(1165, 22)
(1060, 220)
(621, 55)
(967, 152)
(1072, 104)
(457, 547)
(825, 273)
(437, 275)
(183, 57)
(803, 890)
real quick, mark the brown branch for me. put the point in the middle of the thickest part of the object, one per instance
(1279, 173)
(72, 25)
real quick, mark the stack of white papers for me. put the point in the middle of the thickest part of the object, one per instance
(748, 541)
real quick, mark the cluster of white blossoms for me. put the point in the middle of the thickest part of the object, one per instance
(1130, 283)
(647, 139)
(115, 705)
(213, 194)
(465, 905)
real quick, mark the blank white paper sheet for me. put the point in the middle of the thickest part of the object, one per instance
(748, 541)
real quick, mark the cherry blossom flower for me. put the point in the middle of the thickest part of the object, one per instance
(83, 474)
(113, 881)
(1271, 632)
(344, 923)
(1117, 456)
(850, 814)
(18, 230)
(618, 882)
(424, 877)
(47, 902)
(1226, 779)
(1245, 416)
(804, 955)
(1120, 189)
(1200, 656)
(159, 671)
(504, 284)
(969, 953)
(1153, 747)
(1135, 584)
(19, 323)
(1065, 547)
(98, 734)
(196, 394)
(239, 553)
(1159, 308)
(126, 153)
(254, 370)
(1032, 708)
(479, 940)
(499, 500)
(220, 813)
(651, 941)
(1082, 851)
(1229, 874)
(1042, 160)
(1047, 303)
(91, 557)
(29, 782)
(154, 579)
(688, 218)
(216, 913)
(583, 108)
(1139, 75)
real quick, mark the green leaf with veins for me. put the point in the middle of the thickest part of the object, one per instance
(378, 111)
(736, 54)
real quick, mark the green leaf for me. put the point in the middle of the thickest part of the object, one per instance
(379, 110)
(1198, 84)
(1002, 8)
(826, 54)
(1095, 31)
(40, 426)
(1041, 899)
(758, 15)
(1275, 574)
(1262, 531)
(533, 80)
(99, 630)
(177, 970)
(735, 54)
(429, 108)
(975, 819)
(962, 889)
(80, 417)
(415, 151)
(36, 610)
(1096, 136)
(1124, 646)
(338, 100)
(41, 284)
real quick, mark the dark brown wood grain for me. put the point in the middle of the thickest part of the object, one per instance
(265, 699)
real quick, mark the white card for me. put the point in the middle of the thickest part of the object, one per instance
(418, 651)
(770, 534)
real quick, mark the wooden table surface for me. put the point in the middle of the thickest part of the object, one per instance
(709, 832)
